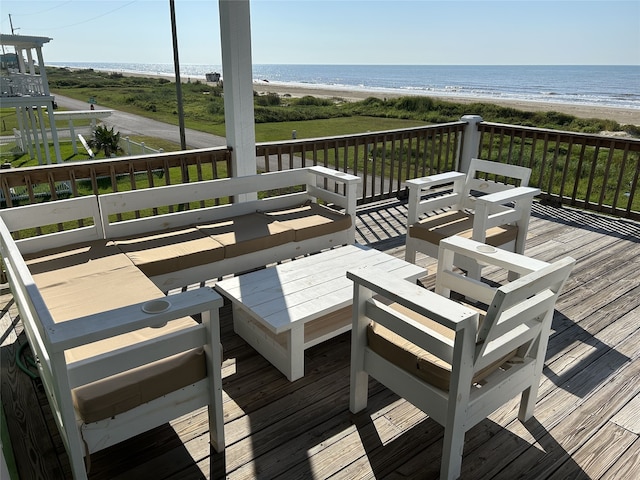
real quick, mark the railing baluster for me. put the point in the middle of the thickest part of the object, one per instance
(634, 186)
(623, 163)
(594, 163)
(605, 180)
(384, 160)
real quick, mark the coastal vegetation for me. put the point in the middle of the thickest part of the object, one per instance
(203, 106)
(590, 171)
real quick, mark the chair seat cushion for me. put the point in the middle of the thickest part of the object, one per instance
(113, 395)
(161, 253)
(455, 222)
(88, 279)
(415, 360)
(247, 234)
(311, 220)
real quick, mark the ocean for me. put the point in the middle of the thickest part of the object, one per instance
(607, 86)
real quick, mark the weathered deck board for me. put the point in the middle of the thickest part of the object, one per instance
(585, 423)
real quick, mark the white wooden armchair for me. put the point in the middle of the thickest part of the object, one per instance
(490, 204)
(454, 362)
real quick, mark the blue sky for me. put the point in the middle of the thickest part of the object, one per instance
(543, 32)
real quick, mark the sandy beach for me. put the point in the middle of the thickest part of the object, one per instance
(624, 116)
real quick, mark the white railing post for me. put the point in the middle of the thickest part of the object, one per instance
(471, 142)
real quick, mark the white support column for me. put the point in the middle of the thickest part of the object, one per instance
(21, 66)
(235, 36)
(471, 143)
(54, 133)
(43, 133)
(32, 67)
(43, 73)
(72, 132)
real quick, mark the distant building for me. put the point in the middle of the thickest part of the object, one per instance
(8, 61)
(25, 88)
(212, 77)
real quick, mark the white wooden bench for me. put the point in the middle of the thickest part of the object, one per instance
(104, 282)
(177, 248)
(109, 344)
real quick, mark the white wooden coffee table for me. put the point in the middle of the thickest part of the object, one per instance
(283, 310)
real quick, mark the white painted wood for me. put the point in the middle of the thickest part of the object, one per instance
(310, 178)
(498, 204)
(51, 213)
(280, 300)
(49, 341)
(518, 318)
(235, 38)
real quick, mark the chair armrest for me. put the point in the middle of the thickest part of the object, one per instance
(511, 195)
(422, 301)
(490, 210)
(434, 180)
(487, 255)
(336, 175)
(449, 279)
(99, 326)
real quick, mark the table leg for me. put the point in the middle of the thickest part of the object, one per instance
(295, 346)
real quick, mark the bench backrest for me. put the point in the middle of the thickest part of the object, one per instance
(81, 213)
(163, 208)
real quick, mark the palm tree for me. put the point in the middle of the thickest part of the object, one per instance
(105, 139)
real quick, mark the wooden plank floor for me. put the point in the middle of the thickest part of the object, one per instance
(586, 420)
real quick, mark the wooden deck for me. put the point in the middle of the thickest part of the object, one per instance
(586, 422)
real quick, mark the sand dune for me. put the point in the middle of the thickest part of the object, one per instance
(624, 116)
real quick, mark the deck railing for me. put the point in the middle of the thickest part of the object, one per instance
(593, 172)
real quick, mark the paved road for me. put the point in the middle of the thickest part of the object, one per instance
(129, 124)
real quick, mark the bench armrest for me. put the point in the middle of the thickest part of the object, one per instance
(99, 326)
(336, 175)
(329, 190)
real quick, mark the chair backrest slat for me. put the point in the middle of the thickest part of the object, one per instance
(485, 177)
(518, 311)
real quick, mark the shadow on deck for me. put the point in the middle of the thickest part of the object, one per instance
(585, 423)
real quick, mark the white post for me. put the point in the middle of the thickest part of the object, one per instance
(235, 36)
(43, 72)
(72, 132)
(471, 142)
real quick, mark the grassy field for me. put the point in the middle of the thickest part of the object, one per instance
(203, 107)
(277, 117)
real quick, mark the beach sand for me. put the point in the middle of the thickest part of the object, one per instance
(624, 116)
